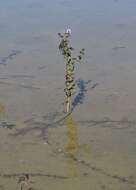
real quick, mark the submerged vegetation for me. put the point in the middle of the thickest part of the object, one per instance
(67, 51)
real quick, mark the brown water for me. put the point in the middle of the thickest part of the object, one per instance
(94, 148)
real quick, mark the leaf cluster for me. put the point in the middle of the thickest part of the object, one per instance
(67, 51)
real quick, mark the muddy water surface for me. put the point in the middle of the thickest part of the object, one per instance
(94, 148)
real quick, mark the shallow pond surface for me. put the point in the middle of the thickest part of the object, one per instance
(94, 148)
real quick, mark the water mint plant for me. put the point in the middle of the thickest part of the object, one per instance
(70, 59)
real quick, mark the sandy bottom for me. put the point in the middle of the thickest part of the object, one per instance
(95, 147)
(64, 154)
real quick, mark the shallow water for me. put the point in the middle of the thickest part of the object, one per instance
(95, 147)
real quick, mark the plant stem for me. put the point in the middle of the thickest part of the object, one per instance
(68, 104)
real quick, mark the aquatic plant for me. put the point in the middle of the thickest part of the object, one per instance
(67, 51)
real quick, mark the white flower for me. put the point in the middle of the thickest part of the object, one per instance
(68, 31)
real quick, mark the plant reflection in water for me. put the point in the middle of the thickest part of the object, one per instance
(72, 146)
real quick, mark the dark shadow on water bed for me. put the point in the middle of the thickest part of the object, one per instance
(41, 126)
(109, 123)
(94, 168)
(14, 175)
(83, 88)
(5, 124)
(51, 120)
(4, 60)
